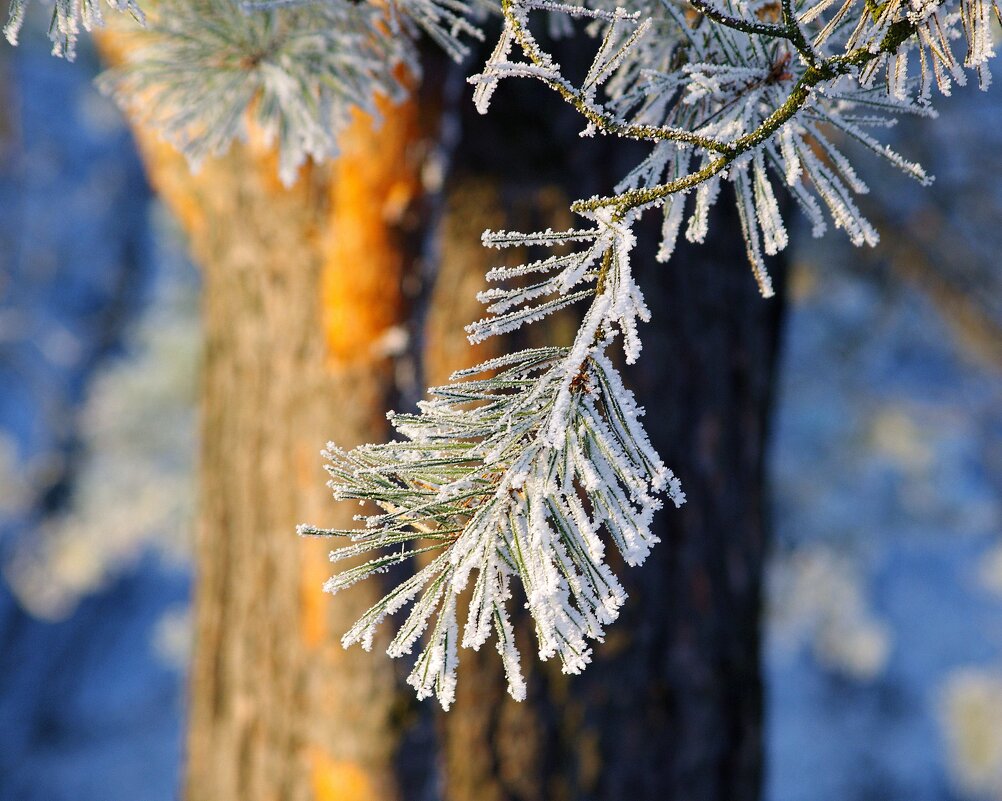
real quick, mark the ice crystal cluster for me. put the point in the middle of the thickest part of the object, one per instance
(515, 483)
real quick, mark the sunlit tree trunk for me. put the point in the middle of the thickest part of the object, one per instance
(302, 311)
(301, 292)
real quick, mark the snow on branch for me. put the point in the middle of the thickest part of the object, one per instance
(203, 72)
(68, 17)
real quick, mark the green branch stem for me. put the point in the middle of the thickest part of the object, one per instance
(752, 27)
(828, 70)
(580, 101)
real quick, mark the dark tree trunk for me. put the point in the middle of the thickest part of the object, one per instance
(674, 701)
(671, 708)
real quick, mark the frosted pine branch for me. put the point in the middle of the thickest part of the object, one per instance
(205, 72)
(68, 18)
(523, 471)
(522, 474)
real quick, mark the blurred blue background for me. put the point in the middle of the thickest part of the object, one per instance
(884, 646)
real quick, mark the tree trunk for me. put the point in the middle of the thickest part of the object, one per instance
(278, 709)
(672, 706)
(674, 701)
(303, 309)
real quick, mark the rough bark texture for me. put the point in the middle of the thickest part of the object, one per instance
(303, 300)
(278, 709)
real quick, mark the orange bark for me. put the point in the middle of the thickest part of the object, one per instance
(376, 182)
(302, 297)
